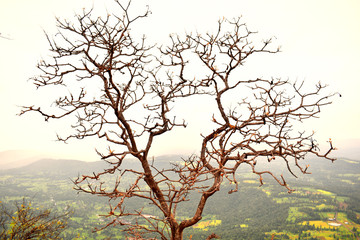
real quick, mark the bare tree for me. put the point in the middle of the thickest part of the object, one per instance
(123, 90)
(26, 222)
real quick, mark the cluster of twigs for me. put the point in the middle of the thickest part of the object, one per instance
(126, 91)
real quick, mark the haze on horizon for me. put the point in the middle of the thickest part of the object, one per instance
(319, 42)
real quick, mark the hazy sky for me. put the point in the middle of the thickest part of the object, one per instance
(320, 42)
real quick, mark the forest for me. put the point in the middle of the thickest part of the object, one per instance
(331, 194)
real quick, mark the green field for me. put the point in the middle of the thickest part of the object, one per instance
(254, 212)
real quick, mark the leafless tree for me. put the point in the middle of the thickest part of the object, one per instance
(123, 90)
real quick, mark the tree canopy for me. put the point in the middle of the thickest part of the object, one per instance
(123, 89)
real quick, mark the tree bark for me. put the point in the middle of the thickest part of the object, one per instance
(177, 234)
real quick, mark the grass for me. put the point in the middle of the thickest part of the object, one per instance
(347, 181)
(5, 177)
(307, 189)
(268, 193)
(341, 231)
(294, 214)
(327, 214)
(349, 175)
(342, 217)
(275, 235)
(349, 161)
(11, 198)
(77, 219)
(316, 191)
(326, 235)
(282, 200)
(341, 199)
(320, 234)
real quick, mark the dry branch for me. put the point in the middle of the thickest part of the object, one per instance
(130, 76)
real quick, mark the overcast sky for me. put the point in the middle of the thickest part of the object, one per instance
(320, 41)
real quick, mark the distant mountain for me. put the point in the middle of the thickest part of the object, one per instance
(57, 168)
(339, 166)
(18, 158)
(72, 168)
(349, 148)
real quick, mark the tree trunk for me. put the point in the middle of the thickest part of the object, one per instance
(177, 234)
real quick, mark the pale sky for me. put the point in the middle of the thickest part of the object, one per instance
(320, 41)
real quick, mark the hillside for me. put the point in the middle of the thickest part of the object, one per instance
(56, 168)
(252, 213)
(18, 158)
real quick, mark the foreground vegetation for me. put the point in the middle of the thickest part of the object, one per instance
(23, 221)
(325, 205)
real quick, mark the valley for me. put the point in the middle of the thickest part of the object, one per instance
(325, 205)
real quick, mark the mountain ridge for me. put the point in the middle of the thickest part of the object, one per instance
(75, 167)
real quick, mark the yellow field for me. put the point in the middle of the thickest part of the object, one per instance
(347, 181)
(324, 192)
(268, 193)
(203, 225)
(349, 161)
(250, 181)
(322, 206)
(342, 217)
(317, 224)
